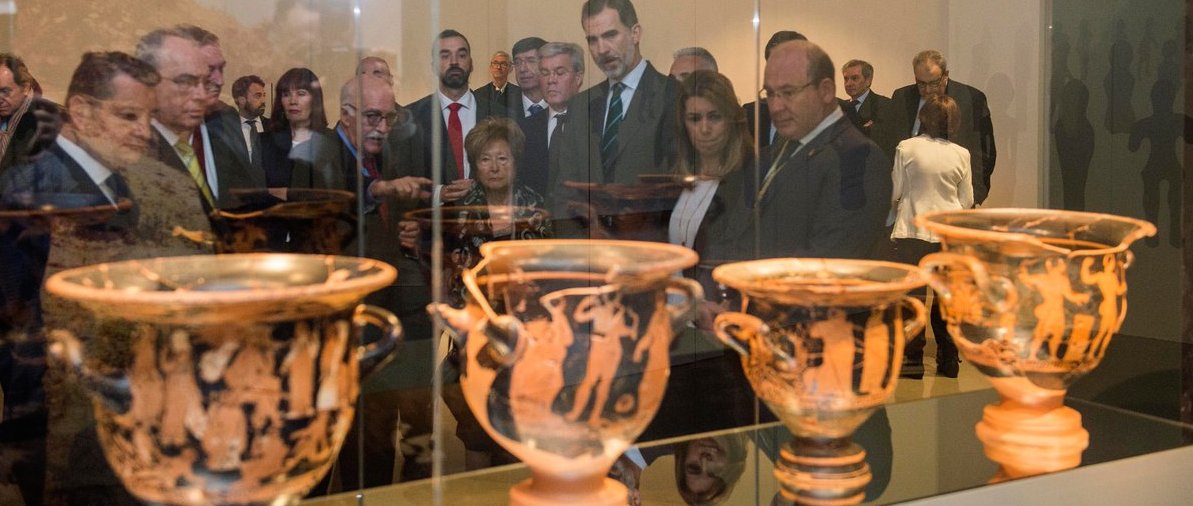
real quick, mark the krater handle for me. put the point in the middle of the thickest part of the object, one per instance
(375, 354)
(112, 390)
(684, 312)
(736, 330)
(918, 320)
(934, 263)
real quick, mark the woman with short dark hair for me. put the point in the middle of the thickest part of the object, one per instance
(931, 173)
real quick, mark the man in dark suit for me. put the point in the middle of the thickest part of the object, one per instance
(622, 127)
(249, 94)
(18, 125)
(561, 73)
(529, 98)
(977, 131)
(500, 90)
(827, 188)
(458, 108)
(858, 75)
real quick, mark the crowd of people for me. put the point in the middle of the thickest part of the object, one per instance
(799, 173)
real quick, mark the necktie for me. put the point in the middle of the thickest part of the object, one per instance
(189, 158)
(854, 103)
(370, 165)
(534, 109)
(785, 153)
(117, 186)
(455, 134)
(560, 119)
(612, 125)
(254, 142)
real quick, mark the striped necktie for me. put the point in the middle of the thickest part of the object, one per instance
(192, 166)
(612, 125)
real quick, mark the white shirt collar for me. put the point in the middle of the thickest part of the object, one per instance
(468, 101)
(169, 135)
(824, 124)
(863, 97)
(526, 103)
(94, 168)
(634, 76)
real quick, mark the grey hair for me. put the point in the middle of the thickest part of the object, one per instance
(572, 50)
(933, 56)
(867, 69)
(698, 52)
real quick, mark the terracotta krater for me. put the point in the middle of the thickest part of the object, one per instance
(821, 343)
(566, 355)
(1032, 298)
(223, 379)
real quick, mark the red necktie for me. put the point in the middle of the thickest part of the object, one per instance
(455, 134)
(370, 165)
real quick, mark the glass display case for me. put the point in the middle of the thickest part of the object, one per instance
(419, 133)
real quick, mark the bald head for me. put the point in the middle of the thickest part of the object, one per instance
(371, 99)
(800, 86)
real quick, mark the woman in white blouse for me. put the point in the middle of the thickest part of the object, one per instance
(930, 174)
(714, 147)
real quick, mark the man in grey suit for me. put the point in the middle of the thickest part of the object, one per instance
(827, 188)
(622, 127)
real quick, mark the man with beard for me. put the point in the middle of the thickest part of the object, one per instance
(218, 141)
(526, 69)
(459, 110)
(249, 94)
(622, 127)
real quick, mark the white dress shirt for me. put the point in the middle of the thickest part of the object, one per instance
(689, 212)
(552, 121)
(94, 169)
(208, 157)
(631, 80)
(467, 119)
(526, 103)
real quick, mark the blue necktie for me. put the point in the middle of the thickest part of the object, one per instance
(534, 109)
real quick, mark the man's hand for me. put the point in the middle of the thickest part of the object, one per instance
(49, 123)
(457, 189)
(403, 188)
(408, 235)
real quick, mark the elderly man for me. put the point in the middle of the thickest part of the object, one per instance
(18, 124)
(826, 190)
(182, 138)
(499, 91)
(622, 127)
(561, 73)
(901, 121)
(858, 75)
(691, 59)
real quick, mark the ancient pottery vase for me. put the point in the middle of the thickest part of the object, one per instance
(821, 342)
(223, 379)
(565, 346)
(1032, 298)
(286, 220)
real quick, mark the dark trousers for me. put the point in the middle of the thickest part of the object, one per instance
(911, 251)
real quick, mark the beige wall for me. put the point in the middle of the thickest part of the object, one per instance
(995, 47)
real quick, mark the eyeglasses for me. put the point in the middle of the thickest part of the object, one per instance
(518, 62)
(785, 94)
(935, 83)
(189, 81)
(373, 118)
(500, 64)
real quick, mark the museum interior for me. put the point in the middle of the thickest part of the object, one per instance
(595, 252)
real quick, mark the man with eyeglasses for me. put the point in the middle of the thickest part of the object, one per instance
(100, 154)
(825, 188)
(561, 73)
(28, 124)
(931, 72)
(459, 108)
(500, 90)
(182, 100)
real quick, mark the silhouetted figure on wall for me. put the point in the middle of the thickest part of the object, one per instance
(1084, 39)
(1148, 46)
(1161, 129)
(1074, 138)
(1120, 83)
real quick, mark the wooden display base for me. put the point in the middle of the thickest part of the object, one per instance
(545, 492)
(1026, 441)
(823, 472)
